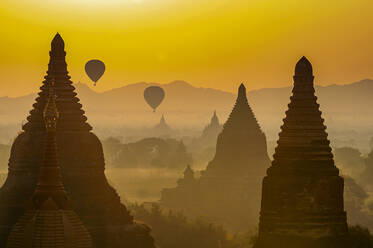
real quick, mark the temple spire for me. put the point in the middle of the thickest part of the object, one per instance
(242, 92)
(50, 186)
(57, 64)
(58, 45)
(243, 128)
(163, 120)
(302, 194)
(50, 220)
(242, 113)
(303, 127)
(214, 120)
(303, 67)
(72, 116)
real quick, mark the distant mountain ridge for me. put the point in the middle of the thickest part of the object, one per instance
(186, 105)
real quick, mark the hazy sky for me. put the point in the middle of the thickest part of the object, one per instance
(209, 43)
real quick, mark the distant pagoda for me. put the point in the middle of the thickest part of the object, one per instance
(188, 177)
(211, 131)
(228, 191)
(49, 221)
(82, 166)
(162, 128)
(241, 147)
(302, 195)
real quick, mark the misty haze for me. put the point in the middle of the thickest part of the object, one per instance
(177, 124)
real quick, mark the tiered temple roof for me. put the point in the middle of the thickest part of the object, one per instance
(72, 115)
(214, 123)
(302, 194)
(303, 139)
(241, 146)
(82, 167)
(162, 128)
(188, 177)
(228, 191)
(212, 130)
(49, 221)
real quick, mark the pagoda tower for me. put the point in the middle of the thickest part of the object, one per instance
(214, 123)
(82, 166)
(188, 177)
(162, 128)
(302, 194)
(241, 148)
(228, 191)
(49, 221)
(212, 130)
(162, 125)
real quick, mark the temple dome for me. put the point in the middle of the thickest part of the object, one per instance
(303, 67)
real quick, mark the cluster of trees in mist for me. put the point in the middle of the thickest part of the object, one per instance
(147, 153)
(357, 170)
(172, 230)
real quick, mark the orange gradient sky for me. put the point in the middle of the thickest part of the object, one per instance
(209, 43)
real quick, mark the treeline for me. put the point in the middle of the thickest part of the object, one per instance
(147, 153)
(172, 230)
(357, 170)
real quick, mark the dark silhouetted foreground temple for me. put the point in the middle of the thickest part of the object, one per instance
(49, 221)
(302, 195)
(228, 191)
(82, 166)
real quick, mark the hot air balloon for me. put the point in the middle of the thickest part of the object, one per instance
(95, 69)
(154, 95)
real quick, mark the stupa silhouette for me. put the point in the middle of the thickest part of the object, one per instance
(162, 129)
(241, 148)
(82, 166)
(49, 221)
(211, 131)
(228, 191)
(302, 196)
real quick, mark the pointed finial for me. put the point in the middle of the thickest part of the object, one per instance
(188, 171)
(303, 67)
(57, 43)
(214, 120)
(241, 92)
(50, 112)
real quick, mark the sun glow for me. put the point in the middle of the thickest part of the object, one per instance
(211, 43)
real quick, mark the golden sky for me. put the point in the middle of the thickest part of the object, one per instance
(209, 43)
